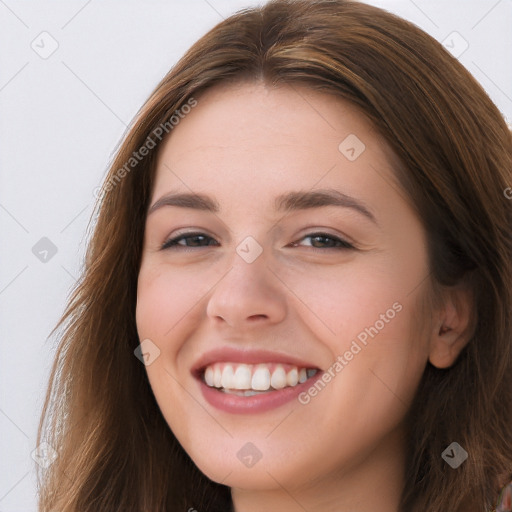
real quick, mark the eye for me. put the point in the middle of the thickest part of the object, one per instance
(197, 241)
(326, 241)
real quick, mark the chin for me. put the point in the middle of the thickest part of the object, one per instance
(231, 465)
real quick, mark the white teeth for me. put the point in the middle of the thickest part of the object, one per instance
(292, 377)
(227, 377)
(217, 377)
(208, 376)
(278, 379)
(242, 377)
(261, 379)
(248, 380)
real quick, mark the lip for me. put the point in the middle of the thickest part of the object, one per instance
(235, 404)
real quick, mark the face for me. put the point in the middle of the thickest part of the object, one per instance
(292, 288)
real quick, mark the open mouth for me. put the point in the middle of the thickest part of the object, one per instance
(246, 380)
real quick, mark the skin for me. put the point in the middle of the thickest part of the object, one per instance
(244, 144)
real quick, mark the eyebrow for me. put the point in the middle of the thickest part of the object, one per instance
(286, 203)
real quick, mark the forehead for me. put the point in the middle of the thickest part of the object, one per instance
(251, 114)
(253, 139)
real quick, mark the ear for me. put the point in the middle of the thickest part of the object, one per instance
(453, 326)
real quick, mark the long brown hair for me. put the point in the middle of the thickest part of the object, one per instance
(115, 450)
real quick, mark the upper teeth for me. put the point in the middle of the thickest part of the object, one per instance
(258, 377)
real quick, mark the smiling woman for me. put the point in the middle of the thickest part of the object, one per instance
(299, 299)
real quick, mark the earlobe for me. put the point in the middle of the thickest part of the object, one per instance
(454, 327)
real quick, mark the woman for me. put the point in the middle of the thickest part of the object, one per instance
(212, 360)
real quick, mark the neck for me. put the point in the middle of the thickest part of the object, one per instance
(374, 483)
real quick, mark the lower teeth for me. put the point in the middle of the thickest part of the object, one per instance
(249, 392)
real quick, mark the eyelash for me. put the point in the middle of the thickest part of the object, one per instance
(173, 242)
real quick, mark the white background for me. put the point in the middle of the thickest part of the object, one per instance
(61, 118)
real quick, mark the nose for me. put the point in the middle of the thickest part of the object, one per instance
(248, 295)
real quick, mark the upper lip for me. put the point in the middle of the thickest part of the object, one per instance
(234, 355)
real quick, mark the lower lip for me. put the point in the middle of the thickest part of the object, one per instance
(257, 403)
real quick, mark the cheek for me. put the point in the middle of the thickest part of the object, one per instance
(169, 311)
(368, 317)
(380, 368)
(167, 297)
(165, 314)
(374, 378)
(340, 302)
(160, 314)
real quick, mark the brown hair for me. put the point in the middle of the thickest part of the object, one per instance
(115, 450)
